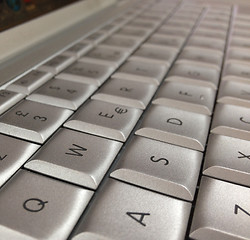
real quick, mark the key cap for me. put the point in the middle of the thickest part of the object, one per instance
(186, 97)
(155, 165)
(32, 121)
(110, 28)
(57, 64)
(142, 72)
(175, 126)
(213, 33)
(202, 55)
(30, 82)
(127, 93)
(78, 49)
(8, 99)
(176, 31)
(127, 43)
(241, 42)
(166, 41)
(236, 70)
(240, 54)
(135, 214)
(233, 125)
(84, 72)
(96, 37)
(198, 74)
(42, 208)
(234, 92)
(106, 56)
(154, 54)
(63, 93)
(105, 119)
(228, 159)
(136, 32)
(13, 154)
(227, 211)
(75, 157)
(205, 42)
(149, 25)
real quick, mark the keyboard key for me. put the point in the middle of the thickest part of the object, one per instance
(240, 54)
(126, 43)
(32, 121)
(136, 32)
(57, 64)
(106, 56)
(173, 30)
(166, 41)
(155, 55)
(228, 159)
(127, 93)
(84, 72)
(135, 214)
(105, 119)
(202, 55)
(236, 70)
(13, 154)
(175, 126)
(222, 211)
(78, 49)
(186, 97)
(63, 93)
(232, 121)
(8, 99)
(160, 168)
(30, 82)
(96, 37)
(206, 42)
(241, 42)
(142, 72)
(235, 92)
(195, 73)
(76, 157)
(42, 208)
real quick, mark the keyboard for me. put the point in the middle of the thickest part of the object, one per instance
(138, 130)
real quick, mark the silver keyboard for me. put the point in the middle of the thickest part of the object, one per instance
(139, 130)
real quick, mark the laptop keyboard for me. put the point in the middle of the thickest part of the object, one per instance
(140, 130)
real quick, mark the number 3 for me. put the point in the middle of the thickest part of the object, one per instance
(43, 119)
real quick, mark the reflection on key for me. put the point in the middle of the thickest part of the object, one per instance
(63, 93)
(105, 119)
(42, 208)
(161, 167)
(30, 82)
(233, 125)
(187, 97)
(127, 93)
(76, 157)
(222, 211)
(33, 121)
(13, 154)
(228, 159)
(8, 99)
(143, 72)
(199, 74)
(135, 214)
(175, 126)
(84, 72)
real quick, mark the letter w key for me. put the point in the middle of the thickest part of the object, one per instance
(76, 151)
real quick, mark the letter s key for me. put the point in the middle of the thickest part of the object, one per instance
(160, 159)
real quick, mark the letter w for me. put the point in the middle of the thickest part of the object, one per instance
(76, 151)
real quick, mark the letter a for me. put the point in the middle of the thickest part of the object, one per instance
(136, 218)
